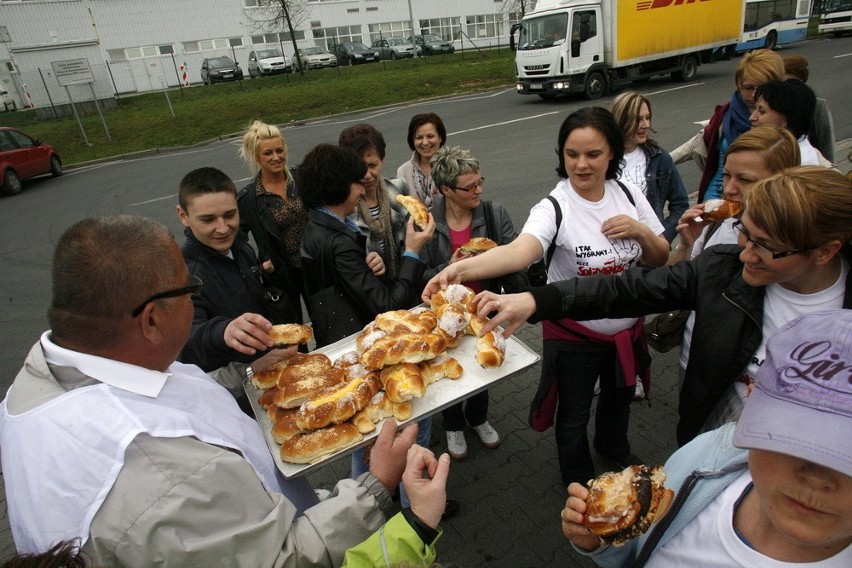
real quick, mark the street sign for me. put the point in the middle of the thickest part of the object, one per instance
(73, 72)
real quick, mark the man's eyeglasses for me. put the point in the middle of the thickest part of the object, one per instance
(478, 184)
(776, 254)
(194, 287)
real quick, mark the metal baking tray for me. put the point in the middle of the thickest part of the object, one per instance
(439, 395)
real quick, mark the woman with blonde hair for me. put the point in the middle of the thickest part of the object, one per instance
(791, 258)
(708, 147)
(648, 167)
(272, 212)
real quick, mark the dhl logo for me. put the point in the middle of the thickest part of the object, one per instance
(664, 3)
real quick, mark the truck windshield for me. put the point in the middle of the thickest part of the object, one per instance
(537, 33)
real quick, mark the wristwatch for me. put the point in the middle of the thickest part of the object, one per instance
(249, 373)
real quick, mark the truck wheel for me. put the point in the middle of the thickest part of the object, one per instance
(595, 86)
(771, 40)
(689, 70)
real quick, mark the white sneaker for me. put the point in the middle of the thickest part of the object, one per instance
(456, 444)
(489, 436)
(640, 390)
(597, 390)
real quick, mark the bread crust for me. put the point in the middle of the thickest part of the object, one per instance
(403, 382)
(415, 208)
(403, 348)
(315, 445)
(338, 403)
(721, 209)
(401, 321)
(442, 366)
(478, 245)
(458, 294)
(290, 334)
(305, 375)
(380, 407)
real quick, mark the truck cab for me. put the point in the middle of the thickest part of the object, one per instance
(556, 49)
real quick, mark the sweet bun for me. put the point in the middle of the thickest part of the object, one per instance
(369, 335)
(338, 403)
(403, 348)
(721, 209)
(623, 505)
(415, 208)
(380, 407)
(442, 366)
(267, 398)
(478, 245)
(269, 376)
(403, 382)
(401, 321)
(454, 294)
(305, 375)
(491, 347)
(317, 444)
(453, 320)
(284, 424)
(290, 334)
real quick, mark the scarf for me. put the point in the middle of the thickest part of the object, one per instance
(736, 119)
(380, 227)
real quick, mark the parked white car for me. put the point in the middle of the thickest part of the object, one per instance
(7, 100)
(268, 62)
(315, 58)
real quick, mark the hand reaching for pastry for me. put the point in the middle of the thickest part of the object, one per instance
(425, 481)
(248, 333)
(388, 455)
(512, 310)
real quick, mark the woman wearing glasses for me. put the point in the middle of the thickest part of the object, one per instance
(605, 229)
(792, 258)
(461, 215)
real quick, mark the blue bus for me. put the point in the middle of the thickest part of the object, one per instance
(770, 23)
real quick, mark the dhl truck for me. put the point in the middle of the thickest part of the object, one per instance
(592, 46)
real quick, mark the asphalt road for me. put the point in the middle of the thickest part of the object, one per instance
(514, 137)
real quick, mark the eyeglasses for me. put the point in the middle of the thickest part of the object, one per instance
(740, 230)
(194, 287)
(478, 184)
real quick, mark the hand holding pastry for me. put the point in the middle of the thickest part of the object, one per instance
(248, 333)
(416, 240)
(512, 310)
(572, 519)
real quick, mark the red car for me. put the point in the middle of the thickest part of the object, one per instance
(23, 157)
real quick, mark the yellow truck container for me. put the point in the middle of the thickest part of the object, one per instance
(592, 46)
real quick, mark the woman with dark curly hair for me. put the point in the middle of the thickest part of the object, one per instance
(334, 251)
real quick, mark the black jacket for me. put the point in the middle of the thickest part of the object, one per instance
(231, 288)
(256, 220)
(728, 318)
(333, 254)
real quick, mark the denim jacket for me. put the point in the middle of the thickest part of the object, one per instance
(664, 185)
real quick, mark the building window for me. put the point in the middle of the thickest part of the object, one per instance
(389, 29)
(336, 36)
(236, 41)
(486, 25)
(129, 53)
(445, 28)
(275, 39)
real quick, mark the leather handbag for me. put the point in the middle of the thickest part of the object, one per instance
(665, 331)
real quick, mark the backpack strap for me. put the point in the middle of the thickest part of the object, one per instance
(626, 192)
(552, 248)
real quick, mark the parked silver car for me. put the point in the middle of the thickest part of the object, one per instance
(432, 44)
(394, 48)
(315, 58)
(268, 62)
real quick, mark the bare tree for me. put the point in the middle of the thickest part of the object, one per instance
(521, 6)
(274, 15)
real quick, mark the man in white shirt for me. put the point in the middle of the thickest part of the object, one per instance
(147, 461)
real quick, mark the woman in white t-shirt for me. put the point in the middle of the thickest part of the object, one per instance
(755, 155)
(647, 167)
(605, 229)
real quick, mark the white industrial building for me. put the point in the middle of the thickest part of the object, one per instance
(142, 45)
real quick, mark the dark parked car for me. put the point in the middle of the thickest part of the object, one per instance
(432, 44)
(394, 48)
(23, 157)
(268, 62)
(219, 70)
(354, 52)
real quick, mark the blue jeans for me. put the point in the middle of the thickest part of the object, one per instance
(423, 434)
(578, 366)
